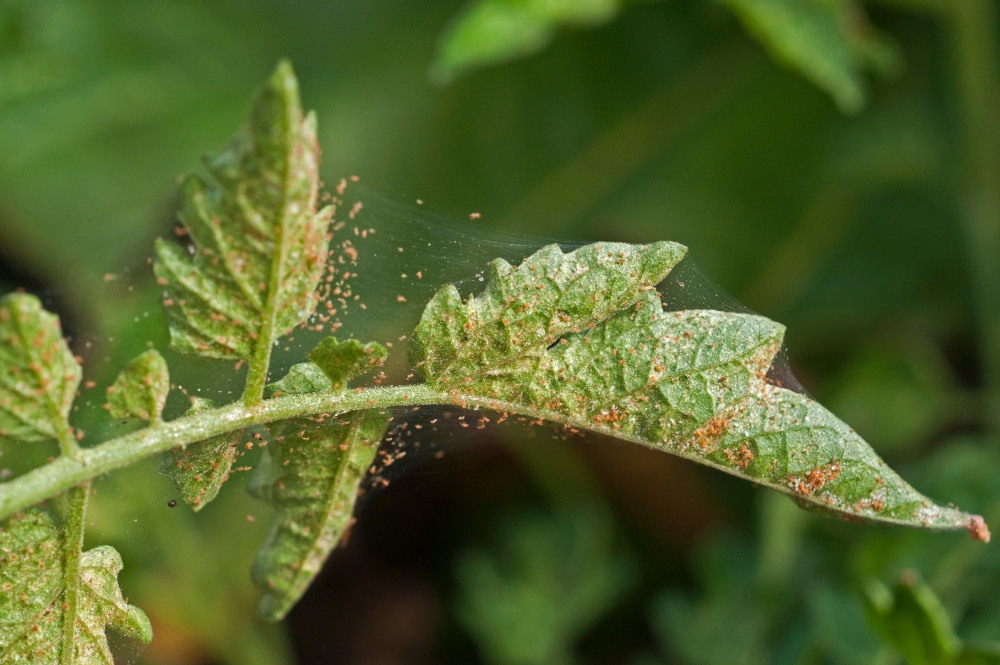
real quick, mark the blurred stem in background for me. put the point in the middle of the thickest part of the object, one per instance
(975, 53)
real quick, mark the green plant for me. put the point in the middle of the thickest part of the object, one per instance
(580, 339)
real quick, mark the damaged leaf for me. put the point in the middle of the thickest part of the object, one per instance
(38, 373)
(259, 241)
(140, 391)
(32, 596)
(580, 339)
(199, 470)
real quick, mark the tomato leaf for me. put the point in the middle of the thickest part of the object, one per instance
(32, 596)
(581, 339)
(38, 373)
(140, 391)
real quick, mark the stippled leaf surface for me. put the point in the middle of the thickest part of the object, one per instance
(310, 474)
(259, 242)
(581, 339)
(830, 42)
(199, 470)
(342, 361)
(311, 479)
(31, 596)
(140, 391)
(302, 378)
(487, 32)
(38, 374)
(523, 310)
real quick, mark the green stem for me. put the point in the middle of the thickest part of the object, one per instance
(976, 57)
(76, 516)
(64, 473)
(253, 393)
(68, 447)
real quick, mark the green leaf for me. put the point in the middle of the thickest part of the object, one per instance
(830, 42)
(31, 596)
(550, 578)
(301, 379)
(200, 469)
(582, 339)
(311, 479)
(342, 361)
(38, 373)
(979, 655)
(259, 242)
(524, 310)
(487, 32)
(913, 621)
(310, 475)
(140, 391)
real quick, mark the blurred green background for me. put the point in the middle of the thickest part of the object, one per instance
(832, 165)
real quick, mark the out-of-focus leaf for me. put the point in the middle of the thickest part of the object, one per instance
(491, 31)
(38, 373)
(979, 655)
(342, 361)
(549, 579)
(912, 620)
(830, 42)
(727, 624)
(582, 339)
(259, 241)
(140, 391)
(839, 626)
(893, 397)
(199, 470)
(32, 596)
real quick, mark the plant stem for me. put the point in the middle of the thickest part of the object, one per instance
(68, 447)
(64, 473)
(253, 393)
(976, 59)
(76, 516)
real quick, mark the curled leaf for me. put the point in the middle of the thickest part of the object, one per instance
(140, 391)
(259, 242)
(32, 596)
(38, 373)
(199, 469)
(580, 339)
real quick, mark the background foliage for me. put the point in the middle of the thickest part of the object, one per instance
(839, 175)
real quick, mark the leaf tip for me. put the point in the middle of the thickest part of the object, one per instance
(663, 256)
(284, 77)
(978, 529)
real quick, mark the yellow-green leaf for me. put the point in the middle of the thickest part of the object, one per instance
(199, 469)
(342, 361)
(582, 339)
(32, 596)
(258, 240)
(38, 373)
(140, 391)
(309, 474)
